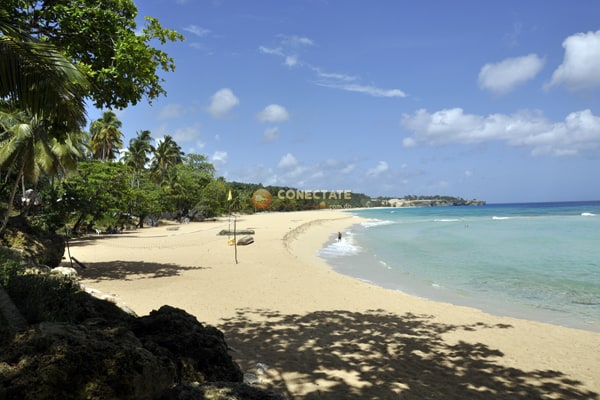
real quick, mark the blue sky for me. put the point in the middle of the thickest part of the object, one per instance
(498, 101)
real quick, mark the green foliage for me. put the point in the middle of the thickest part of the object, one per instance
(97, 189)
(106, 137)
(213, 199)
(37, 79)
(9, 266)
(42, 297)
(103, 40)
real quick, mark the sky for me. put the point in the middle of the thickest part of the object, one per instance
(497, 101)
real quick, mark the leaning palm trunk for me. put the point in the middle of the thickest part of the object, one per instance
(11, 200)
(14, 319)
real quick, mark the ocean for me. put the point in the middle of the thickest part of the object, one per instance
(537, 261)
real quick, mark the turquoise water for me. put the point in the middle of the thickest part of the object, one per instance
(537, 261)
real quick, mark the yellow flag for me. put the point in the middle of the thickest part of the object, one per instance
(229, 198)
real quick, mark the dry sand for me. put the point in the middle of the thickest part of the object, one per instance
(297, 326)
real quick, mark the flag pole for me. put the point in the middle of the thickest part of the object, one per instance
(230, 199)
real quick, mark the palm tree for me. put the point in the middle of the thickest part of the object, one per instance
(26, 150)
(36, 77)
(106, 136)
(43, 97)
(70, 151)
(137, 155)
(167, 154)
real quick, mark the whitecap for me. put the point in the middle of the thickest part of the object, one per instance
(500, 218)
(376, 222)
(340, 248)
(446, 220)
(588, 214)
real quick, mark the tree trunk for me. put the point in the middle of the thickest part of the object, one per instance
(14, 319)
(11, 200)
(78, 223)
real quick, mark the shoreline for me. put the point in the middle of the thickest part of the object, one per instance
(320, 331)
(491, 306)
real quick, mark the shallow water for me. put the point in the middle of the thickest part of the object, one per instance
(538, 261)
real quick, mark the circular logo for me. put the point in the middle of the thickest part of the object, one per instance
(262, 199)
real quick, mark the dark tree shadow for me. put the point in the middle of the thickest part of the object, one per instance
(90, 239)
(387, 356)
(130, 270)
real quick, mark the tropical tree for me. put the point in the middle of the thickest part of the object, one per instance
(102, 38)
(27, 149)
(42, 100)
(166, 155)
(37, 78)
(107, 137)
(187, 181)
(213, 198)
(71, 151)
(137, 155)
(85, 190)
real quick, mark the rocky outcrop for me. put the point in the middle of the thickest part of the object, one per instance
(219, 391)
(109, 354)
(198, 352)
(35, 248)
(59, 360)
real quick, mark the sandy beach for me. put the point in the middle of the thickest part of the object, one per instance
(297, 326)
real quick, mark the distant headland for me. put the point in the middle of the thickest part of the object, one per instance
(425, 201)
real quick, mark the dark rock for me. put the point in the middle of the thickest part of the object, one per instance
(199, 352)
(219, 391)
(65, 361)
(35, 248)
(112, 355)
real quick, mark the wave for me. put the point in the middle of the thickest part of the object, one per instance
(447, 220)
(588, 214)
(501, 218)
(376, 222)
(340, 248)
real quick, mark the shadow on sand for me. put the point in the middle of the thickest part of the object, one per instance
(130, 270)
(386, 356)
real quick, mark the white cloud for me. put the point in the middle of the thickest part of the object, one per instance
(296, 41)
(197, 30)
(348, 168)
(288, 161)
(273, 113)
(317, 175)
(187, 135)
(271, 134)
(333, 75)
(288, 49)
(380, 168)
(580, 69)
(219, 157)
(171, 111)
(222, 102)
(370, 90)
(268, 50)
(578, 134)
(504, 76)
(291, 61)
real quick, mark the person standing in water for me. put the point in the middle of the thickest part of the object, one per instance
(339, 236)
